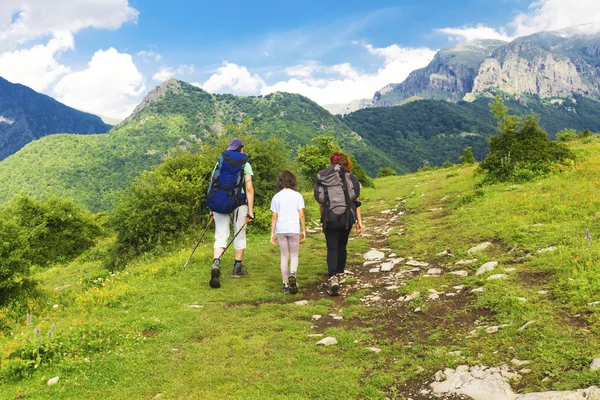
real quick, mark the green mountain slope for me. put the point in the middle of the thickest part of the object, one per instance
(438, 131)
(26, 115)
(92, 169)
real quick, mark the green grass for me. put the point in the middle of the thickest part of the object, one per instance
(132, 334)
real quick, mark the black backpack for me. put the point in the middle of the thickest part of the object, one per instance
(335, 190)
(225, 189)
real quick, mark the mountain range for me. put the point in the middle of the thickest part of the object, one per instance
(26, 115)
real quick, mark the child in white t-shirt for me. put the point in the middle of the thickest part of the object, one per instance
(288, 215)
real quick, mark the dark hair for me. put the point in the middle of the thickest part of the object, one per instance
(287, 180)
(337, 157)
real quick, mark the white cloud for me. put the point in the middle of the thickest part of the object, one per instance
(37, 67)
(149, 55)
(23, 20)
(234, 78)
(110, 85)
(186, 69)
(163, 74)
(542, 15)
(349, 84)
(547, 15)
(470, 33)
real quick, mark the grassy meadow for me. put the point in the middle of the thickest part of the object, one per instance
(151, 331)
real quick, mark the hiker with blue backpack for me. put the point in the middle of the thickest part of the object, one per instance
(337, 191)
(230, 198)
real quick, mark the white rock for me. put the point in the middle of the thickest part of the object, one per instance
(594, 303)
(524, 371)
(392, 287)
(316, 335)
(374, 255)
(410, 297)
(522, 299)
(370, 263)
(317, 317)
(415, 263)
(396, 260)
(386, 212)
(497, 277)
(387, 266)
(479, 247)
(543, 292)
(328, 341)
(450, 294)
(392, 255)
(374, 270)
(488, 266)
(492, 329)
(595, 364)
(434, 296)
(466, 262)
(434, 271)
(547, 249)
(444, 253)
(477, 290)
(55, 306)
(510, 269)
(53, 381)
(195, 306)
(374, 350)
(458, 287)
(338, 318)
(460, 273)
(301, 302)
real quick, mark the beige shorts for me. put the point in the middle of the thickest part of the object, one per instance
(222, 230)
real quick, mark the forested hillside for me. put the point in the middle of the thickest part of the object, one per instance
(176, 115)
(437, 131)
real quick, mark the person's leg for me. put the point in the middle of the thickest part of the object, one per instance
(285, 255)
(294, 247)
(239, 243)
(332, 238)
(344, 234)
(221, 236)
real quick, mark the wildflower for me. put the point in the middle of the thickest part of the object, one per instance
(28, 319)
(36, 332)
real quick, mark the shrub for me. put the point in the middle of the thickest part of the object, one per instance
(467, 156)
(56, 230)
(161, 206)
(386, 171)
(447, 164)
(567, 135)
(521, 150)
(14, 269)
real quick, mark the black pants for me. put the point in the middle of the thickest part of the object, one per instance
(337, 239)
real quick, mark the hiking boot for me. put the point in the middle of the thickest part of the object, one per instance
(334, 286)
(215, 274)
(293, 283)
(285, 288)
(239, 271)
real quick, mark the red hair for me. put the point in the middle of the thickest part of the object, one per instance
(337, 157)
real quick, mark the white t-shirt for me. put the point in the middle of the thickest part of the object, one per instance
(286, 204)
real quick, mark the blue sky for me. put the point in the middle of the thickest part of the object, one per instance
(103, 56)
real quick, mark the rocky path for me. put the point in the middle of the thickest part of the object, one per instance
(398, 316)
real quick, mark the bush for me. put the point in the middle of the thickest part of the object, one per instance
(55, 230)
(14, 268)
(387, 171)
(467, 156)
(447, 164)
(521, 150)
(567, 135)
(163, 205)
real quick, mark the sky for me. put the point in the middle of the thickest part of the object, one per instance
(103, 56)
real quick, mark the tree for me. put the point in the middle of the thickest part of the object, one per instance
(467, 156)
(521, 150)
(387, 171)
(314, 157)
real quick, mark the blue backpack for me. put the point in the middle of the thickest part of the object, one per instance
(225, 189)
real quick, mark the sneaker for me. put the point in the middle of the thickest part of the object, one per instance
(239, 271)
(285, 288)
(341, 278)
(215, 274)
(293, 283)
(334, 286)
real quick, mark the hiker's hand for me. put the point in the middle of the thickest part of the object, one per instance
(250, 215)
(302, 236)
(359, 228)
(273, 238)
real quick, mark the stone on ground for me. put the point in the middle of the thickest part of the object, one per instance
(434, 271)
(479, 247)
(301, 302)
(328, 341)
(374, 350)
(460, 273)
(595, 364)
(488, 266)
(466, 262)
(415, 263)
(374, 255)
(387, 266)
(497, 277)
(53, 381)
(547, 249)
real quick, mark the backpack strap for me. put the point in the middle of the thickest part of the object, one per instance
(349, 213)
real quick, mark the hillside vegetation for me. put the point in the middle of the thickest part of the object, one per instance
(92, 169)
(150, 330)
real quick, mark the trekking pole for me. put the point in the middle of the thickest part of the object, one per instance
(236, 235)
(198, 243)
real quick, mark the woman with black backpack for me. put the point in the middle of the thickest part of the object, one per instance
(337, 191)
